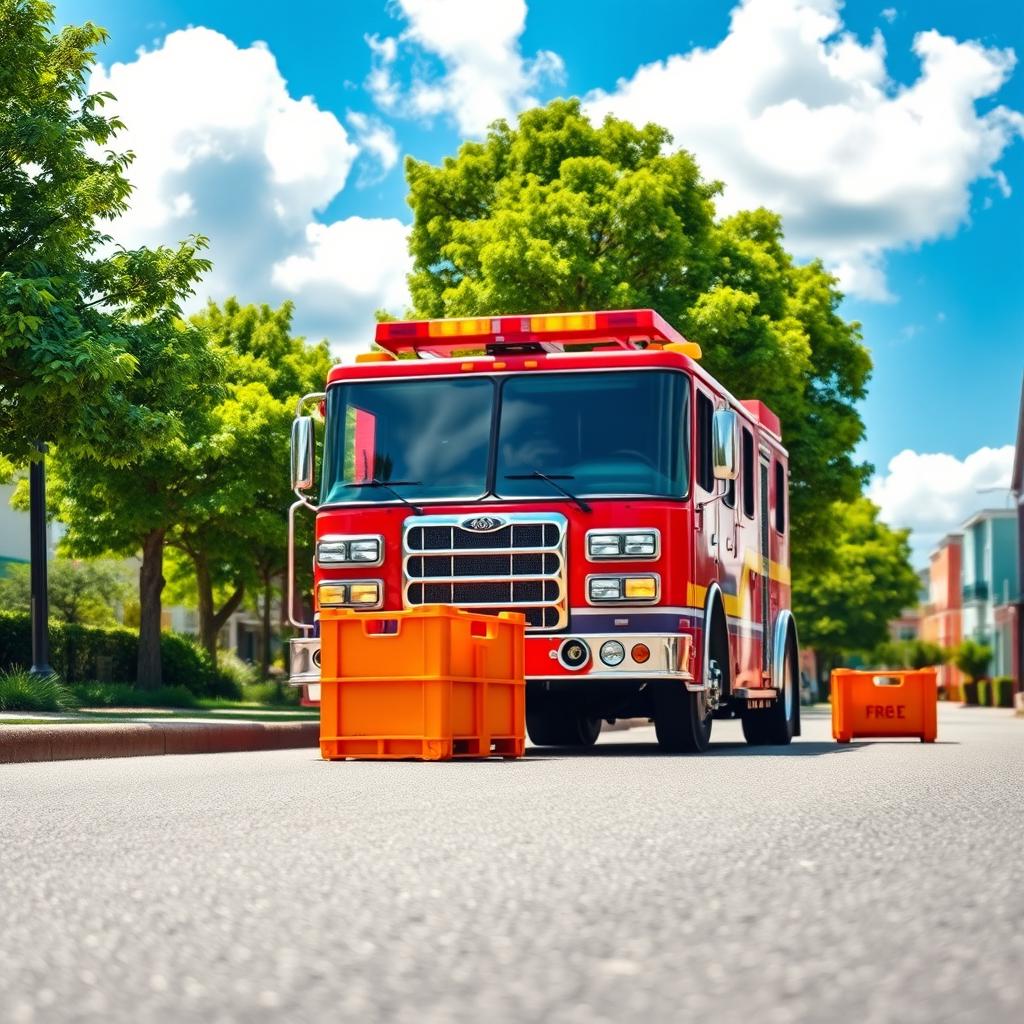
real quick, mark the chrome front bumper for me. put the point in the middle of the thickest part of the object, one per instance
(671, 657)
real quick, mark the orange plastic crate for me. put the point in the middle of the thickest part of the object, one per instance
(431, 683)
(873, 704)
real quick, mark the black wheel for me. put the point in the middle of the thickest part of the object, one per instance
(777, 724)
(682, 720)
(553, 722)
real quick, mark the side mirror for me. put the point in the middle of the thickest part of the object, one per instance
(303, 453)
(725, 445)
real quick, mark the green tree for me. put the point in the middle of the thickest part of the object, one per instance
(558, 215)
(123, 509)
(80, 592)
(235, 531)
(973, 659)
(67, 298)
(869, 582)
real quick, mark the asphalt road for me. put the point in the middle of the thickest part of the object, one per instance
(877, 882)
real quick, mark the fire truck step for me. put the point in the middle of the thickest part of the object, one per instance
(754, 693)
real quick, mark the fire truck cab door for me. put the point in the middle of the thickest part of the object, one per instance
(764, 531)
(706, 536)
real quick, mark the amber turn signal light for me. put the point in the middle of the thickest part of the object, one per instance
(640, 653)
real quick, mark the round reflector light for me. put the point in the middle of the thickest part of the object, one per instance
(641, 653)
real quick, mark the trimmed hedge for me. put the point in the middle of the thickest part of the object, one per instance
(110, 654)
(1002, 692)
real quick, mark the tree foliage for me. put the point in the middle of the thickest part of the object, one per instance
(558, 215)
(118, 509)
(69, 300)
(80, 592)
(870, 582)
(235, 532)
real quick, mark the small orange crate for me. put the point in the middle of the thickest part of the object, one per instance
(431, 683)
(901, 703)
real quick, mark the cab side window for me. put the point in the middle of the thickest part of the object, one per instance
(747, 459)
(705, 469)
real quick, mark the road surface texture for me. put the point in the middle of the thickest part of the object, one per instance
(875, 882)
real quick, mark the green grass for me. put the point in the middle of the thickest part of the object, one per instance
(124, 695)
(20, 691)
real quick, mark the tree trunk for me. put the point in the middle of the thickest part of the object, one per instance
(151, 584)
(211, 621)
(265, 639)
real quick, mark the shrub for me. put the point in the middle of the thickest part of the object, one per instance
(20, 691)
(984, 693)
(972, 658)
(114, 695)
(110, 654)
(272, 693)
(1002, 692)
(241, 673)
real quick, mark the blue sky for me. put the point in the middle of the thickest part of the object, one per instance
(922, 218)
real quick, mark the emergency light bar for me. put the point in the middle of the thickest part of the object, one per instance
(550, 332)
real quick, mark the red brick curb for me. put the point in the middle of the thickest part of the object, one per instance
(142, 739)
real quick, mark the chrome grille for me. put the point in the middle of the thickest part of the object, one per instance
(517, 565)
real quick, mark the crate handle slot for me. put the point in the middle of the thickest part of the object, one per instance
(382, 627)
(887, 681)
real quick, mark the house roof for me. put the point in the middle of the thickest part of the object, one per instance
(989, 513)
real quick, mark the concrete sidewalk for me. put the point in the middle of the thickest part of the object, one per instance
(69, 742)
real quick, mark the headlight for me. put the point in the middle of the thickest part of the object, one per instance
(359, 594)
(612, 653)
(607, 589)
(642, 589)
(623, 545)
(332, 551)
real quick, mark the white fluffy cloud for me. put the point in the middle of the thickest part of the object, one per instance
(369, 256)
(796, 114)
(485, 76)
(377, 139)
(223, 149)
(933, 493)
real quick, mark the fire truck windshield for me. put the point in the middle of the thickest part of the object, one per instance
(600, 433)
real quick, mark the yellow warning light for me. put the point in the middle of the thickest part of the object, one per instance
(563, 322)
(459, 328)
(686, 348)
(373, 357)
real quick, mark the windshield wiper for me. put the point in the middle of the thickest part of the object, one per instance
(389, 485)
(553, 480)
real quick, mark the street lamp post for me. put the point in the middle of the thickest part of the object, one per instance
(37, 553)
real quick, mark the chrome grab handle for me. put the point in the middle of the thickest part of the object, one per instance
(304, 626)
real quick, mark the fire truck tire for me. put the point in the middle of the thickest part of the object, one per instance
(778, 724)
(682, 720)
(560, 723)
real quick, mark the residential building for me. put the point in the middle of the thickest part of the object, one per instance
(990, 573)
(942, 615)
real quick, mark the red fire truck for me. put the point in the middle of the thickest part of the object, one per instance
(583, 469)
